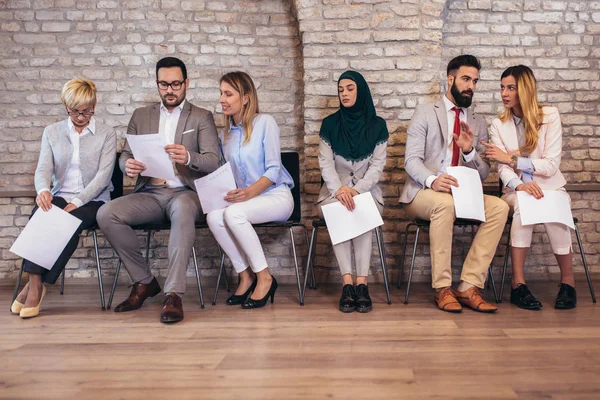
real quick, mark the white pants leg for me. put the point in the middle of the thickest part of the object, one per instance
(232, 226)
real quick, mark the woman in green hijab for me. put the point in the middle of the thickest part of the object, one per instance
(352, 153)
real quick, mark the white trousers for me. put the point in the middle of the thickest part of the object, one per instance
(520, 235)
(232, 226)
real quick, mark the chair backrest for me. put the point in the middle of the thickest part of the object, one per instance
(291, 162)
(117, 180)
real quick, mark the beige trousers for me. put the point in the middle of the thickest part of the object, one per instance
(439, 209)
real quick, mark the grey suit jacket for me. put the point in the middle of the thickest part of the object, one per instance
(201, 143)
(364, 175)
(97, 154)
(427, 143)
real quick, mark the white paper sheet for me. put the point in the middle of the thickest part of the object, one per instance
(213, 187)
(468, 196)
(345, 225)
(45, 236)
(553, 207)
(150, 149)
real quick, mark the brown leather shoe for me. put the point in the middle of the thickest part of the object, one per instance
(172, 309)
(446, 300)
(472, 298)
(139, 293)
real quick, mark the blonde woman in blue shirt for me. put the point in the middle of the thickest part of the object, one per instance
(251, 145)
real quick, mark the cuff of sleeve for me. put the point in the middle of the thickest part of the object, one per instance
(189, 160)
(271, 175)
(469, 157)
(77, 202)
(43, 190)
(513, 183)
(429, 181)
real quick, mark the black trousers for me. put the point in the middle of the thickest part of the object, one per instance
(86, 213)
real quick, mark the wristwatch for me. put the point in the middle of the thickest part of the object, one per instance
(513, 161)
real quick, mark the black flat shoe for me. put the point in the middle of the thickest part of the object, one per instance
(348, 299)
(237, 299)
(251, 303)
(566, 297)
(363, 301)
(523, 298)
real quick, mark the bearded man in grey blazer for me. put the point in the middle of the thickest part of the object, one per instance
(442, 134)
(193, 148)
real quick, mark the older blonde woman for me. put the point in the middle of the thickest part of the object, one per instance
(74, 172)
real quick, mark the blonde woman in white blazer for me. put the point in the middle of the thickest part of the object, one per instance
(527, 143)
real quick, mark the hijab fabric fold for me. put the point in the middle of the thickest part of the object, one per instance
(354, 132)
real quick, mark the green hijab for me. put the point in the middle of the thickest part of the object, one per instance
(353, 132)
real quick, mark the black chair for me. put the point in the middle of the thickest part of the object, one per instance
(291, 162)
(420, 224)
(319, 223)
(117, 181)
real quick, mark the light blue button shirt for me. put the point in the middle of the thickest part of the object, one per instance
(261, 156)
(523, 163)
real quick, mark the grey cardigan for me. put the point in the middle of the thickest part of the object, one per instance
(364, 175)
(97, 155)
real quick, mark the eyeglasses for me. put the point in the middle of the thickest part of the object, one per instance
(77, 113)
(175, 85)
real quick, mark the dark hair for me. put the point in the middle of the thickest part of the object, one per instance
(169, 62)
(463, 60)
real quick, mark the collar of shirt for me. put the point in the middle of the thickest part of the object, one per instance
(517, 119)
(232, 125)
(91, 128)
(450, 105)
(179, 108)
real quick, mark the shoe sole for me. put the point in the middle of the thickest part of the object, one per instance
(347, 310)
(536, 308)
(364, 309)
(170, 321)
(564, 307)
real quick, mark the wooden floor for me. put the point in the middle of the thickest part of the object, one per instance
(284, 351)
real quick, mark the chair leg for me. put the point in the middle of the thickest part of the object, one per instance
(198, 277)
(493, 283)
(402, 257)
(585, 266)
(300, 294)
(18, 284)
(311, 247)
(379, 236)
(313, 282)
(505, 267)
(148, 246)
(114, 285)
(62, 282)
(100, 285)
(412, 265)
(221, 271)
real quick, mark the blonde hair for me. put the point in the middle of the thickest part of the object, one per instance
(78, 92)
(243, 84)
(533, 115)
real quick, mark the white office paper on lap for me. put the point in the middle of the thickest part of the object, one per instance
(213, 187)
(553, 207)
(150, 149)
(468, 196)
(345, 225)
(45, 236)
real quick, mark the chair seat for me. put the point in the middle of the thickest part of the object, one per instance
(283, 224)
(457, 222)
(161, 226)
(318, 223)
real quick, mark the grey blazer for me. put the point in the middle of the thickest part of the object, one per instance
(201, 143)
(97, 154)
(427, 142)
(364, 175)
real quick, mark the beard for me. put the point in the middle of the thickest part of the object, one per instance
(459, 97)
(173, 100)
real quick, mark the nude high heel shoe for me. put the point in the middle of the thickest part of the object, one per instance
(29, 312)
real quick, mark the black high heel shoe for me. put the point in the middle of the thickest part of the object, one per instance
(251, 303)
(236, 299)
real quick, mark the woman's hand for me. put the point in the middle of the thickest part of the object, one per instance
(493, 152)
(532, 188)
(44, 200)
(70, 207)
(344, 195)
(239, 195)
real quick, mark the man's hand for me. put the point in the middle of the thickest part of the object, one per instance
(177, 153)
(133, 167)
(44, 200)
(532, 188)
(465, 140)
(443, 183)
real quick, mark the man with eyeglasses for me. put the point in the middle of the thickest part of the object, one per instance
(193, 147)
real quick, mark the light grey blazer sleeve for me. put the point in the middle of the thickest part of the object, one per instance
(374, 170)
(414, 156)
(45, 166)
(327, 164)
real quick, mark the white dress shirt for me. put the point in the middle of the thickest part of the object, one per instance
(451, 114)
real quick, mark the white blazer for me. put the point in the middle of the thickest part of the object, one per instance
(546, 156)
